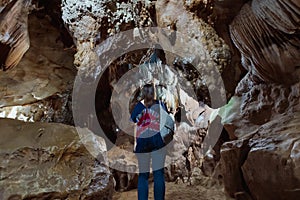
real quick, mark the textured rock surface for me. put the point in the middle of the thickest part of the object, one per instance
(275, 149)
(104, 19)
(265, 164)
(42, 81)
(223, 13)
(123, 164)
(269, 50)
(262, 160)
(210, 52)
(232, 155)
(263, 118)
(40, 160)
(56, 108)
(256, 104)
(14, 37)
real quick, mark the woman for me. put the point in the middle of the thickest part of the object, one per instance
(149, 144)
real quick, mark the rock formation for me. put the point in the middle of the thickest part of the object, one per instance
(198, 42)
(268, 39)
(262, 161)
(14, 37)
(91, 22)
(42, 160)
(208, 38)
(39, 88)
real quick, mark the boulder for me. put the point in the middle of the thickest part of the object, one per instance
(262, 119)
(232, 156)
(52, 161)
(264, 162)
(272, 167)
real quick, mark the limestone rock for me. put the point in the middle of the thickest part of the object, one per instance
(257, 104)
(56, 108)
(263, 117)
(268, 39)
(40, 160)
(14, 37)
(232, 156)
(91, 22)
(264, 165)
(42, 81)
(124, 167)
(282, 15)
(266, 133)
(271, 170)
(197, 41)
(223, 13)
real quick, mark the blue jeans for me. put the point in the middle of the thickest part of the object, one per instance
(158, 155)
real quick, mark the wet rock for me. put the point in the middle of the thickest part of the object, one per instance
(40, 160)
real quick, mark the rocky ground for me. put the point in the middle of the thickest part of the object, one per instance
(202, 188)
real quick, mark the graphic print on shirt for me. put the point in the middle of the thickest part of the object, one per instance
(148, 123)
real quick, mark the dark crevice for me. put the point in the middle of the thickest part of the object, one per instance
(4, 51)
(224, 137)
(52, 10)
(245, 149)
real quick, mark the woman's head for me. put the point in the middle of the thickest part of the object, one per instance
(148, 92)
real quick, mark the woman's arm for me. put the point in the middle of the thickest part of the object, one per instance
(134, 136)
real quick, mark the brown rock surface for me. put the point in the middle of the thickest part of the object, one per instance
(265, 164)
(268, 39)
(40, 160)
(196, 40)
(91, 22)
(40, 86)
(272, 170)
(263, 159)
(263, 118)
(45, 70)
(14, 37)
(232, 154)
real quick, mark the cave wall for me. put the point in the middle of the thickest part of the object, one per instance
(254, 45)
(261, 161)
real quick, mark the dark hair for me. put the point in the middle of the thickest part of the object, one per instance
(148, 85)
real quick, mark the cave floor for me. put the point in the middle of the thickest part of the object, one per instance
(207, 190)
